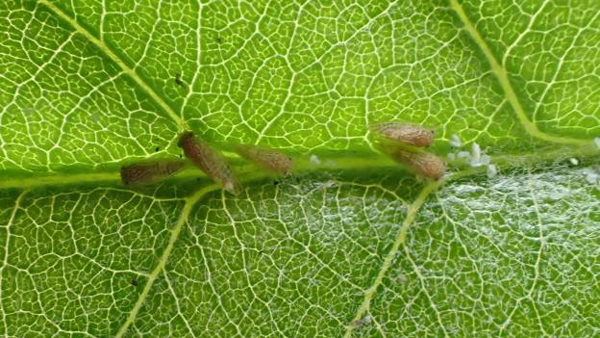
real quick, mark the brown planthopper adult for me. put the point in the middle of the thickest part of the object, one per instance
(267, 159)
(148, 172)
(410, 133)
(210, 161)
(421, 163)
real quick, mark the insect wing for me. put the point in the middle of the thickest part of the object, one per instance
(209, 161)
(142, 173)
(409, 133)
(267, 159)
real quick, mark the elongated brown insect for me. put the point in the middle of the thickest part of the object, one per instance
(267, 159)
(148, 172)
(423, 164)
(410, 133)
(211, 162)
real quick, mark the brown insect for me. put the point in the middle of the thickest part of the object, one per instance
(178, 80)
(423, 164)
(148, 172)
(267, 159)
(211, 162)
(410, 133)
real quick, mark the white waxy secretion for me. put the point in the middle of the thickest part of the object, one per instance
(574, 161)
(329, 184)
(314, 159)
(491, 171)
(597, 141)
(463, 154)
(455, 141)
(485, 160)
(476, 152)
(591, 177)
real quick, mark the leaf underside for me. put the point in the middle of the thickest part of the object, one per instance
(350, 244)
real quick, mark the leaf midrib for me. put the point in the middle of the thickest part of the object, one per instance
(345, 162)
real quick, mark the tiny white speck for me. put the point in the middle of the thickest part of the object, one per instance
(455, 141)
(491, 171)
(314, 159)
(591, 177)
(597, 141)
(367, 319)
(464, 154)
(573, 161)
(451, 157)
(485, 159)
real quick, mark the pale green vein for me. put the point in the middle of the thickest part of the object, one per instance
(400, 240)
(189, 204)
(502, 76)
(244, 172)
(102, 46)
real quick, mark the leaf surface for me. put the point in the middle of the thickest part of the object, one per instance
(351, 244)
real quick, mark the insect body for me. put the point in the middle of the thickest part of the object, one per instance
(423, 164)
(267, 159)
(208, 160)
(179, 81)
(148, 172)
(360, 322)
(409, 133)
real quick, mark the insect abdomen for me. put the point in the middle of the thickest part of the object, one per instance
(423, 164)
(267, 159)
(208, 160)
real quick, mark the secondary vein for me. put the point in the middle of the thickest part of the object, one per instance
(191, 201)
(126, 69)
(502, 76)
(400, 240)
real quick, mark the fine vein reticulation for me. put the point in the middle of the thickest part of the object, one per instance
(193, 200)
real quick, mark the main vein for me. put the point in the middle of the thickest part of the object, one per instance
(502, 76)
(343, 162)
(189, 204)
(127, 70)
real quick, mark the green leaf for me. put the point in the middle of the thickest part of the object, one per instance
(350, 244)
